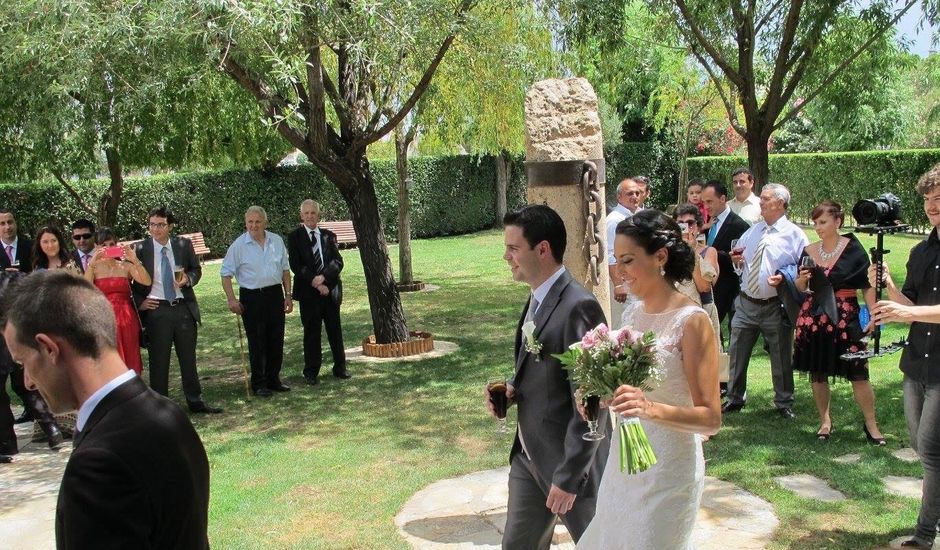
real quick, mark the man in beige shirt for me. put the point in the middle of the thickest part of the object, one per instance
(745, 203)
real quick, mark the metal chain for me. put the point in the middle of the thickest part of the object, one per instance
(592, 197)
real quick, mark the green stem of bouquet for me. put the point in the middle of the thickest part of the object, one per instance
(636, 454)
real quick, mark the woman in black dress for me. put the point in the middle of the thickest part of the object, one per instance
(820, 340)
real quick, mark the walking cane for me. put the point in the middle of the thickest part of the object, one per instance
(241, 344)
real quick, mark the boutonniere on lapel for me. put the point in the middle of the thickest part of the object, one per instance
(532, 345)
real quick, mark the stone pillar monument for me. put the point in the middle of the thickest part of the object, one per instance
(563, 131)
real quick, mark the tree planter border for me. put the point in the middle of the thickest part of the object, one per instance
(420, 342)
(413, 286)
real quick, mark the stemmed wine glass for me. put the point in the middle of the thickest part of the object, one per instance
(592, 409)
(808, 263)
(737, 251)
(497, 391)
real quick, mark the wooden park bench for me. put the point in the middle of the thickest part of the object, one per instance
(345, 233)
(198, 240)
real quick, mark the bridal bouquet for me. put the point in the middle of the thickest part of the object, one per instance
(602, 361)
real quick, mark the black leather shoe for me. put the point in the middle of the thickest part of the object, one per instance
(202, 407)
(263, 392)
(25, 417)
(344, 375)
(914, 543)
(311, 380)
(786, 413)
(4, 459)
(53, 437)
(730, 407)
(279, 387)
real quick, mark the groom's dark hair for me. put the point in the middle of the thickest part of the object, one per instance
(540, 223)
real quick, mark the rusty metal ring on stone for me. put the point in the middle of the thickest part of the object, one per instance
(561, 172)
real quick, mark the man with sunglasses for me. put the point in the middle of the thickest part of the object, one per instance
(168, 307)
(83, 235)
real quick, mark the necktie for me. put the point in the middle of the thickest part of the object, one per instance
(712, 231)
(169, 290)
(533, 308)
(84, 262)
(317, 260)
(753, 269)
(10, 253)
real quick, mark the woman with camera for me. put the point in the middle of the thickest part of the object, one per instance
(822, 339)
(699, 287)
(111, 269)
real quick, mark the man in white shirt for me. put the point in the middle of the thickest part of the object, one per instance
(258, 259)
(629, 194)
(745, 203)
(773, 244)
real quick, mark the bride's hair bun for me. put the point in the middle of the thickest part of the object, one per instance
(652, 230)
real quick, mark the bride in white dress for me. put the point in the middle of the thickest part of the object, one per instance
(657, 508)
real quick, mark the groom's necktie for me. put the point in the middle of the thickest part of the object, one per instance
(533, 308)
(712, 231)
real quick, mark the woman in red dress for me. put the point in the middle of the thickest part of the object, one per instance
(112, 276)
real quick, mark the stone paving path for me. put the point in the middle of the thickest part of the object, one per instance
(808, 486)
(469, 513)
(29, 487)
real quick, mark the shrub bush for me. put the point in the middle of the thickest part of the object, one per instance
(843, 177)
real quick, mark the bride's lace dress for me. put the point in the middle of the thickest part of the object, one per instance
(655, 508)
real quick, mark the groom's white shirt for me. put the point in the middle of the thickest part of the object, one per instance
(538, 295)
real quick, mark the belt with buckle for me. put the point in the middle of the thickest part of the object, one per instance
(170, 303)
(761, 301)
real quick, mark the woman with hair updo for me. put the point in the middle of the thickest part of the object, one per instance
(112, 276)
(657, 508)
(820, 341)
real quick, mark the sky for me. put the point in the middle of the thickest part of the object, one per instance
(920, 40)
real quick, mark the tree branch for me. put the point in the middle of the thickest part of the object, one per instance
(719, 87)
(419, 89)
(272, 104)
(709, 48)
(842, 66)
(781, 63)
(766, 18)
(71, 191)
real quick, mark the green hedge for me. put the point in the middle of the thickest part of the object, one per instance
(843, 177)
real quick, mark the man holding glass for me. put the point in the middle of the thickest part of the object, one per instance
(168, 308)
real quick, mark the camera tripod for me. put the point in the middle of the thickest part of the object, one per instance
(877, 256)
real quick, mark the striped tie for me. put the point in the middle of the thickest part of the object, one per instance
(753, 268)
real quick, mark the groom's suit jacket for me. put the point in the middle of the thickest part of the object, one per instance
(728, 285)
(549, 422)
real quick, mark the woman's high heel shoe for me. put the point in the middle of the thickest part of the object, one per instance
(824, 436)
(879, 441)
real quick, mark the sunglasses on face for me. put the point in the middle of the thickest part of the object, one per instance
(81, 237)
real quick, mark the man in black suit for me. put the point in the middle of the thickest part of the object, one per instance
(17, 255)
(83, 235)
(168, 308)
(726, 226)
(316, 263)
(138, 476)
(553, 471)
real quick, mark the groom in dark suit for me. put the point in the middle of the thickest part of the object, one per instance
(553, 471)
(316, 263)
(725, 227)
(168, 308)
(138, 476)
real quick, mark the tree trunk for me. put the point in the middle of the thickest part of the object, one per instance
(111, 200)
(502, 183)
(388, 317)
(404, 207)
(758, 159)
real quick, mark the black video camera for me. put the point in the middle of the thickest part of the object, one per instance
(882, 211)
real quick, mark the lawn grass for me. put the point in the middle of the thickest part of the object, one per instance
(329, 466)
